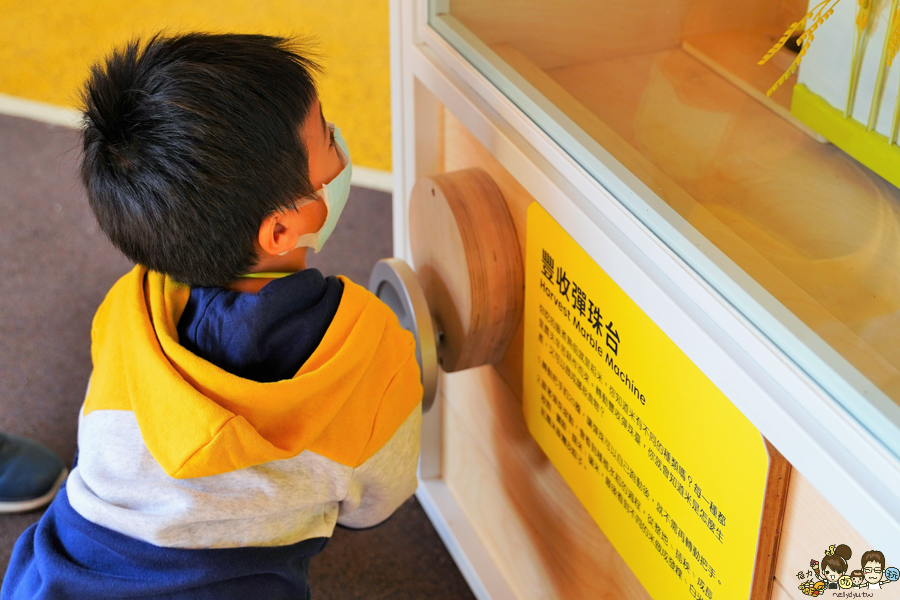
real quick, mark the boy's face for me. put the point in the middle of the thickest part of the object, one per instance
(324, 162)
(280, 230)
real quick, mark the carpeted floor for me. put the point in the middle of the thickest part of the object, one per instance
(55, 267)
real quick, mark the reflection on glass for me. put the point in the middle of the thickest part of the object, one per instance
(672, 89)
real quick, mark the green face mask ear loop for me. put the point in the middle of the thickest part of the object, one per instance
(265, 275)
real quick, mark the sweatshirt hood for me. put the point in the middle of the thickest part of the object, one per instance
(197, 419)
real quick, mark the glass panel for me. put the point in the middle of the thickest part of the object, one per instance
(672, 91)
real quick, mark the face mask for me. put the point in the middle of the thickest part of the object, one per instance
(334, 194)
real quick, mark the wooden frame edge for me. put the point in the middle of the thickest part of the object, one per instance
(771, 524)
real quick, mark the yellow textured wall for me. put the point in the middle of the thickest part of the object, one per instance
(47, 47)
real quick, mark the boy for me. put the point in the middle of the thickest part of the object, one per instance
(232, 422)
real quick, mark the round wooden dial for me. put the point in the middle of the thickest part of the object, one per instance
(467, 259)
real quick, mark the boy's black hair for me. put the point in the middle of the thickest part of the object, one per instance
(189, 142)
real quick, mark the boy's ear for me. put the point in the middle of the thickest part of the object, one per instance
(279, 232)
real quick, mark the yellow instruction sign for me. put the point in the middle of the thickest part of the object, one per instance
(667, 466)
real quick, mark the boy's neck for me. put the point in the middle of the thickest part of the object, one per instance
(293, 261)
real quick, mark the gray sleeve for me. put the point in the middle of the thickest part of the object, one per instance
(382, 483)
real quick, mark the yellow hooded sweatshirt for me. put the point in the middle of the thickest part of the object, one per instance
(174, 450)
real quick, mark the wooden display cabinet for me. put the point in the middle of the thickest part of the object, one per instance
(726, 222)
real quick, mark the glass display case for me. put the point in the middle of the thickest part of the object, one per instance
(750, 211)
(671, 92)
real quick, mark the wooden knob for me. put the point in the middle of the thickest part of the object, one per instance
(469, 264)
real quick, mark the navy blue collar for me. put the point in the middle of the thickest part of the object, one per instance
(265, 336)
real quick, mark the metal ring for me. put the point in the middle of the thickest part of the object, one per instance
(395, 283)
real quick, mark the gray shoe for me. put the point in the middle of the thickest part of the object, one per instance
(30, 474)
